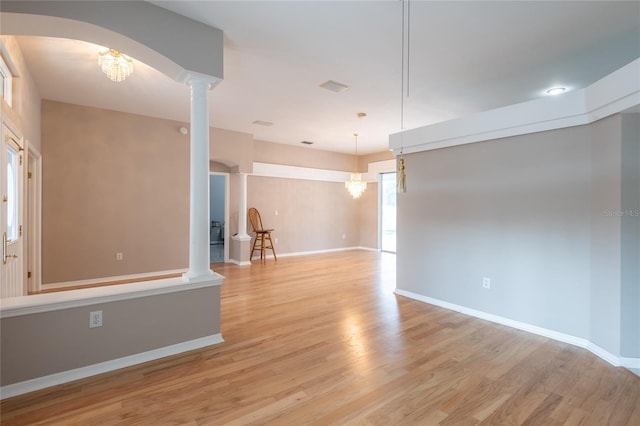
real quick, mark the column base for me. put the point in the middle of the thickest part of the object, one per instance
(192, 276)
(240, 249)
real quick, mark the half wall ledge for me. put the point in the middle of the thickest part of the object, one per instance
(47, 340)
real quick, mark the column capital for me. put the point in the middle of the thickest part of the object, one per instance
(191, 78)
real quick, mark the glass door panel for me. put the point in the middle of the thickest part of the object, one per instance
(388, 212)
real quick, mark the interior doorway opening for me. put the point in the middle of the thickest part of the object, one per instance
(387, 208)
(218, 217)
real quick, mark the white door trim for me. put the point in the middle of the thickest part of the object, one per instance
(12, 269)
(34, 219)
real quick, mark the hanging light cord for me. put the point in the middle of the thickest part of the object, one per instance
(356, 159)
(401, 184)
(402, 77)
(408, 43)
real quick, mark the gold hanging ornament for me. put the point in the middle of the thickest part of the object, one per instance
(402, 185)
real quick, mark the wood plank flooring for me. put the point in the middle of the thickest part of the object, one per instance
(322, 340)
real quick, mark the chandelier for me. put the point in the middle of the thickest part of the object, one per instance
(355, 185)
(115, 65)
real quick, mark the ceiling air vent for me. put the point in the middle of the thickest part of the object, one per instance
(263, 123)
(307, 142)
(334, 86)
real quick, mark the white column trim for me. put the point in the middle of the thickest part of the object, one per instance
(242, 207)
(199, 180)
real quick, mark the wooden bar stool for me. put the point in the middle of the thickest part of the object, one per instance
(263, 236)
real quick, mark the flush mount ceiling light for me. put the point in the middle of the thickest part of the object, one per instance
(115, 65)
(355, 185)
(556, 90)
(334, 86)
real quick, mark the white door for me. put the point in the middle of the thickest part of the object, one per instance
(12, 184)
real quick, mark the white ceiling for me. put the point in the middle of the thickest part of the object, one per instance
(464, 57)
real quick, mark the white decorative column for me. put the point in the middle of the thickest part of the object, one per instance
(241, 243)
(242, 207)
(199, 181)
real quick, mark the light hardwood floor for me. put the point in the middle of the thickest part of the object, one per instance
(323, 340)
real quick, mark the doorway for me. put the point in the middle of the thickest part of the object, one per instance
(218, 217)
(11, 214)
(387, 208)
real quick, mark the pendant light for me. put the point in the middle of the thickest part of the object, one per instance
(355, 185)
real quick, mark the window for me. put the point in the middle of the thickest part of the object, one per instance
(13, 163)
(6, 80)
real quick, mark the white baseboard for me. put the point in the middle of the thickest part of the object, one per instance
(555, 335)
(103, 367)
(305, 253)
(602, 353)
(630, 362)
(109, 279)
(237, 262)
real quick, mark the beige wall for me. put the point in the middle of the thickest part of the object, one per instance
(116, 182)
(363, 161)
(366, 207)
(233, 149)
(274, 153)
(112, 182)
(312, 215)
(25, 110)
(368, 217)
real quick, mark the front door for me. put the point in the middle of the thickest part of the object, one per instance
(12, 181)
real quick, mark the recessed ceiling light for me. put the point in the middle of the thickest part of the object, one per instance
(556, 90)
(307, 142)
(334, 86)
(263, 123)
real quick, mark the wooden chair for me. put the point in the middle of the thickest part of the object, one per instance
(262, 235)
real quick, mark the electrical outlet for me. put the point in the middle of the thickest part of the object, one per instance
(344, 236)
(486, 282)
(119, 256)
(276, 212)
(95, 319)
(276, 240)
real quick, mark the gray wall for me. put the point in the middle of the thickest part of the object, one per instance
(529, 213)
(630, 230)
(605, 234)
(45, 343)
